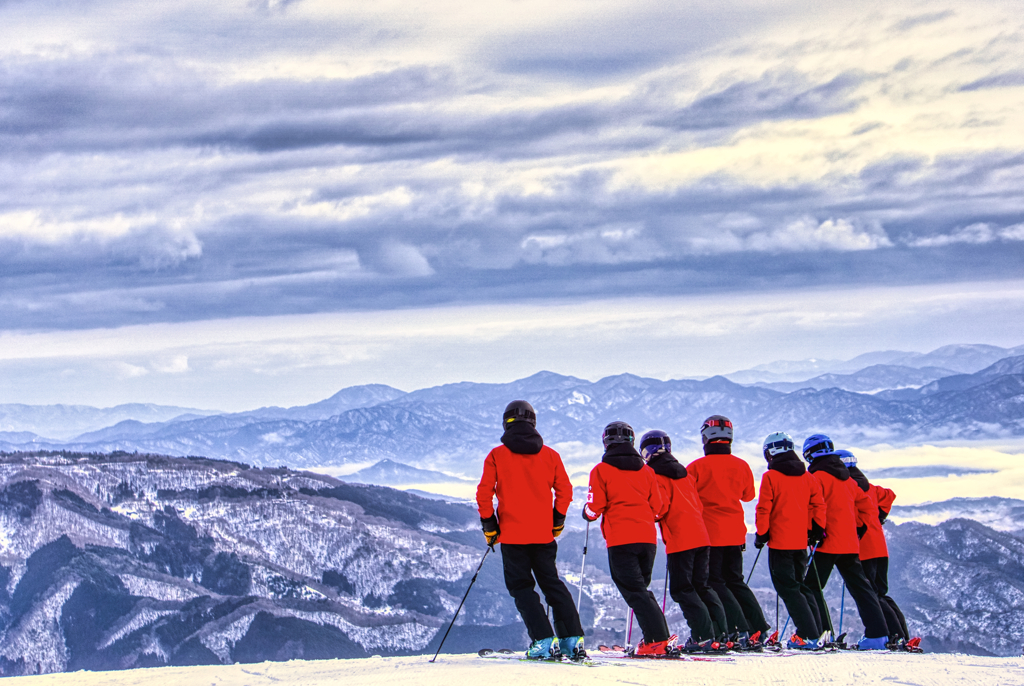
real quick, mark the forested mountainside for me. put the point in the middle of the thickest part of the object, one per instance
(123, 560)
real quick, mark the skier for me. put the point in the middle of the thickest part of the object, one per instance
(522, 474)
(874, 554)
(723, 481)
(846, 509)
(790, 514)
(686, 544)
(625, 491)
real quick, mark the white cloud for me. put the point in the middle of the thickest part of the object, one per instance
(404, 260)
(177, 364)
(802, 235)
(125, 370)
(975, 234)
(810, 235)
(609, 244)
(1012, 233)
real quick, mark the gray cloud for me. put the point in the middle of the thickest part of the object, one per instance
(916, 20)
(143, 183)
(1003, 80)
(773, 96)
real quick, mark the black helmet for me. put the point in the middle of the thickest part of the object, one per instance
(519, 411)
(716, 428)
(617, 432)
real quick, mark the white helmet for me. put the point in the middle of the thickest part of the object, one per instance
(778, 442)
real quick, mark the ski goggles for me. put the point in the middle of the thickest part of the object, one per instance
(780, 446)
(819, 449)
(623, 431)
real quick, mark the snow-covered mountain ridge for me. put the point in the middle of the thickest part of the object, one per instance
(119, 561)
(448, 428)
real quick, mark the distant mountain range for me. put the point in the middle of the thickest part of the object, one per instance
(65, 422)
(960, 358)
(123, 561)
(448, 428)
(391, 473)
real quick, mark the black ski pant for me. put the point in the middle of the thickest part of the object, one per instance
(877, 572)
(857, 584)
(632, 565)
(523, 562)
(788, 568)
(742, 611)
(688, 584)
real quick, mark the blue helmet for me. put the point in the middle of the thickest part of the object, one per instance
(817, 446)
(848, 458)
(654, 442)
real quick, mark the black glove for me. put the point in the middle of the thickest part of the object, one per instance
(760, 540)
(816, 535)
(861, 530)
(491, 530)
(882, 514)
(557, 522)
(743, 547)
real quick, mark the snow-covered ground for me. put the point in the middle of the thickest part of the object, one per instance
(884, 669)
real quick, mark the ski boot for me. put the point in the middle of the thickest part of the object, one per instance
(797, 643)
(913, 645)
(745, 642)
(880, 643)
(820, 643)
(658, 649)
(773, 641)
(543, 649)
(572, 648)
(708, 645)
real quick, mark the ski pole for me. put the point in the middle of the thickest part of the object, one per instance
(842, 607)
(629, 632)
(471, 582)
(664, 594)
(821, 591)
(756, 558)
(776, 609)
(583, 567)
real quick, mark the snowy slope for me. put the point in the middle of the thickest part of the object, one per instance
(127, 560)
(834, 669)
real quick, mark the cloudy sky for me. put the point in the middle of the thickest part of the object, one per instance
(235, 204)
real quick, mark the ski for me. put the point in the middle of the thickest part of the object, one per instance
(506, 654)
(605, 653)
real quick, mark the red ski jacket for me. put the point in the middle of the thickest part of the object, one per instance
(722, 482)
(630, 502)
(682, 525)
(846, 508)
(523, 484)
(873, 544)
(786, 505)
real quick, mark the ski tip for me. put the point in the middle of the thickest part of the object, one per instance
(484, 652)
(506, 651)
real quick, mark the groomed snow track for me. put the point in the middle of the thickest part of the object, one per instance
(884, 669)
